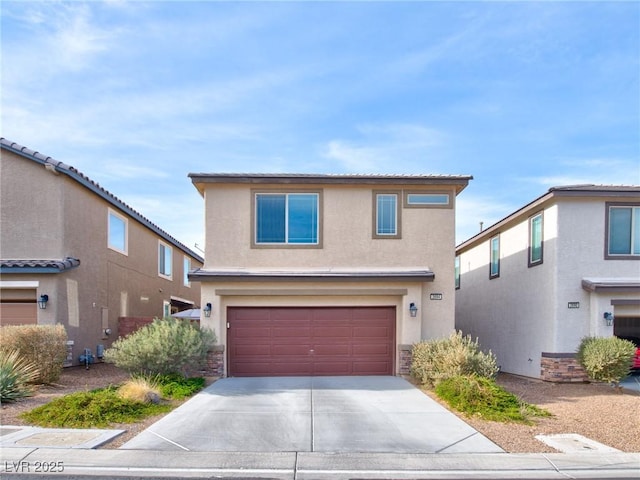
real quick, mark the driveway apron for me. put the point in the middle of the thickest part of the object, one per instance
(312, 414)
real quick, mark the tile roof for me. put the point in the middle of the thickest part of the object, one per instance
(38, 266)
(95, 187)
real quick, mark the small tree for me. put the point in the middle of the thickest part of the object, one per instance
(163, 347)
(437, 360)
(606, 359)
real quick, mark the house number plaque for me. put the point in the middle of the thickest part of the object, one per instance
(435, 296)
(573, 305)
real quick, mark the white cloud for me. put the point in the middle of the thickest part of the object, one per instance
(386, 148)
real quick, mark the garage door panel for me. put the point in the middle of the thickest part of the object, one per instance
(18, 313)
(311, 341)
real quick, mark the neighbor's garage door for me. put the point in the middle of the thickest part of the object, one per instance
(311, 341)
(18, 313)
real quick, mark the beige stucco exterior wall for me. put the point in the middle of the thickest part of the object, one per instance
(51, 216)
(428, 240)
(525, 311)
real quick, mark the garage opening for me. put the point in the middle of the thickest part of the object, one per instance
(293, 341)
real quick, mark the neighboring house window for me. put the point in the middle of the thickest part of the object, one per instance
(535, 240)
(457, 270)
(623, 236)
(165, 254)
(287, 218)
(386, 215)
(494, 266)
(426, 200)
(117, 232)
(186, 266)
(166, 309)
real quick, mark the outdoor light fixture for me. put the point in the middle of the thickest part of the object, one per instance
(608, 318)
(413, 310)
(207, 310)
(42, 303)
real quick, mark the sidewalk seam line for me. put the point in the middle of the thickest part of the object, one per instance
(170, 441)
(555, 467)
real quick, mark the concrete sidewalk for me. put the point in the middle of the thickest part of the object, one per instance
(316, 466)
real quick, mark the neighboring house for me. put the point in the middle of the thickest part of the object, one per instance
(65, 239)
(327, 274)
(565, 266)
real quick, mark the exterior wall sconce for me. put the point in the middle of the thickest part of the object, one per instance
(413, 310)
(608, 318)
(207, 310)
(42, 302)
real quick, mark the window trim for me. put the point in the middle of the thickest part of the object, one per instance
(530, 261)
(170, 248)
(374, 215)
(407, 193)
(493, 275)
(607, 234)
(125, 220)
(256, 192)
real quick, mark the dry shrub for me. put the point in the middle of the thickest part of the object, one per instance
(140, 390)
(43, 345)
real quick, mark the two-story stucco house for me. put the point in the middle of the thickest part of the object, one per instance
(326, 274)
(565, 266)
(74, 254)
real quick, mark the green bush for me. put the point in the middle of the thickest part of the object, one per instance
(483, 397)
(163, 347)
(15, 375)
(97, 408)
(178, 387)
(43, 345)
(437, 360)
(606, 359)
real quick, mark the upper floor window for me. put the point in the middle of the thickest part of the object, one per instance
(117, 232)
(457, 271)
(494, 264)
(623, 235)
(186, 266)
(165, 254)
(287, 218)
(386, 215)
(535, 240)
(426, 200)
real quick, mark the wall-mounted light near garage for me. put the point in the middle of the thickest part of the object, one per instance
(608, 318)
(42, 302)
(207, 310)
(413, 310)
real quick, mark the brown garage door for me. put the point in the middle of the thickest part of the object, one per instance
(18, 313)
(311, 341)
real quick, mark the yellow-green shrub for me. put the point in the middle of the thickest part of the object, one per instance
(437, 360)
(45, 346)
(606, 359)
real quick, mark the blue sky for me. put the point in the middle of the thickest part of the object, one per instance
(521, 95)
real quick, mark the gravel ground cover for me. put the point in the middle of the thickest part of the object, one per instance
(595, 411)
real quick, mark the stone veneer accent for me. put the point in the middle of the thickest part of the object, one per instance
(561, 367)
(405, 359)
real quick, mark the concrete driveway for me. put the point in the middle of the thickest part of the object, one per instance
(312, 414)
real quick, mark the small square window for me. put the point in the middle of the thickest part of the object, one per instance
(494, 264)
(117, 232)
(165, 254)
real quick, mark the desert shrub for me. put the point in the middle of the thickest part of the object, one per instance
(140, 389)
(43, 345)
(437, 360)
(178, 387)
(483, 397)
(15, 375)
(606, 359)
(163, 347)
(97, 408)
